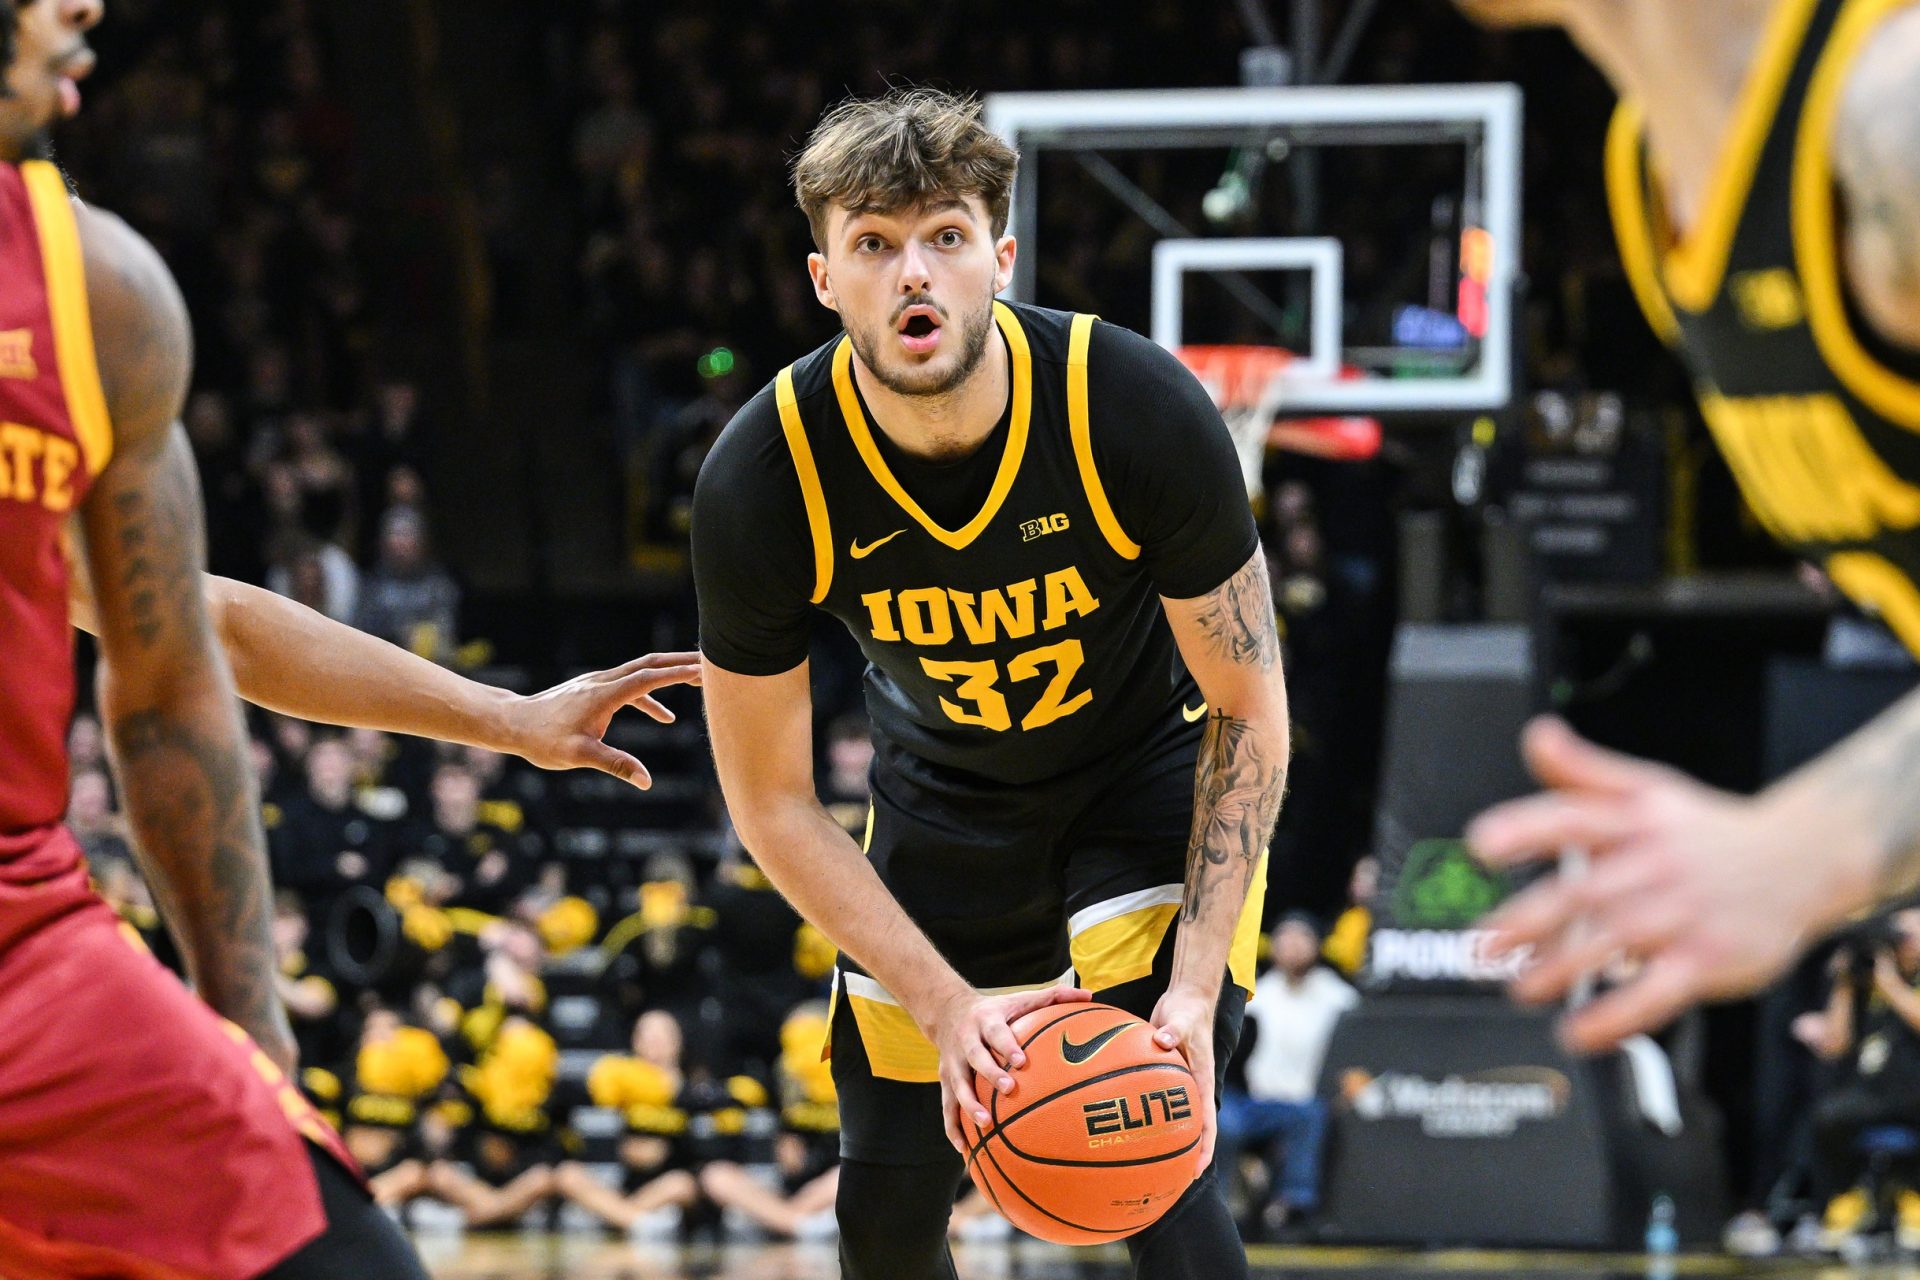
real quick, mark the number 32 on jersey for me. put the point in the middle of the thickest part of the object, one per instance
(936, 616)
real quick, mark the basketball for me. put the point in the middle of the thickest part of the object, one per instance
(1100, 1135)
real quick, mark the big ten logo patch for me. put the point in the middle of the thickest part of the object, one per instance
(1768, 299)
(1031, 529)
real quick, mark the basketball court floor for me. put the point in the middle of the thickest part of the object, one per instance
(540, 1257)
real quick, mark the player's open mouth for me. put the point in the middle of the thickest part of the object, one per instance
(72, 71)
(919, 328)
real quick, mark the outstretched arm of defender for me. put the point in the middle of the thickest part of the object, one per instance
(1231, 645)
(290, 659)
(165, 694)
(762, 731)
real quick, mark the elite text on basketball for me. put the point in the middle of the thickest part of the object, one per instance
(1111, 1120)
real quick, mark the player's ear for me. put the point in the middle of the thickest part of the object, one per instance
(1003, 253)
(822, 282)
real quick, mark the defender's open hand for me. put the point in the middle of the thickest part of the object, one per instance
(564, 727)
(1714, 894)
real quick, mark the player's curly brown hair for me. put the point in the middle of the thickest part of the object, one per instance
(881, 155)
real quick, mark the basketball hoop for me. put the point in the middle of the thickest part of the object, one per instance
(1247, 384)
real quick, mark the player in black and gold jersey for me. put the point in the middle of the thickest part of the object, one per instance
(1764, 173)
(1035, 526)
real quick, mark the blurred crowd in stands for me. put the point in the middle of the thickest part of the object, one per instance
(227, 142)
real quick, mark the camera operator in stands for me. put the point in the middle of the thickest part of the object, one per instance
(1869, 1034)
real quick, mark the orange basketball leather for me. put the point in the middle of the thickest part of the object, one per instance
(1100, 1135)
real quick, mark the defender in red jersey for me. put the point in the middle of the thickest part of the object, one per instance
(140, 1135)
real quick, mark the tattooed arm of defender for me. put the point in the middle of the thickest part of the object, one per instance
(1231, 645)
(1876, 164)
(166, 697)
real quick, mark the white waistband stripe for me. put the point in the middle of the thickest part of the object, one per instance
(1127, 903)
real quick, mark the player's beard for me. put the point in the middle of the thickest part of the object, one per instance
(974, 330)
(36, 145)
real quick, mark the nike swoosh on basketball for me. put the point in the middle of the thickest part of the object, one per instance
(1079, 1053)
(859, 552)
(1194, 713)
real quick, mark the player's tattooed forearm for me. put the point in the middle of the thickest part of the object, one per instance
(1238, 782)
(157, 549)
(1237, 617)
(197, 835)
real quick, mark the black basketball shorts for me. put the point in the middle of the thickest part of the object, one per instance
(1076, 880)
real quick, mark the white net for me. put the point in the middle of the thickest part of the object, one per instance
(1248, 385)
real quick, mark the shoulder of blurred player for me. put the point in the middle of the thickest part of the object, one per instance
(143, 342)
(1876, 162)
(1515, 13)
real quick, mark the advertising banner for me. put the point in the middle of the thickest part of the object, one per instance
(1460, 696)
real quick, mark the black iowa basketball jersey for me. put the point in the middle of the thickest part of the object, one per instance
(1819, 420)
(1013, 630)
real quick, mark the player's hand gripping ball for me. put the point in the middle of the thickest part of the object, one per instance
(1100, 1135)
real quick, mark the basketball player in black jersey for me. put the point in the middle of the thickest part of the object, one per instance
(1035, 526)
(1764, 173)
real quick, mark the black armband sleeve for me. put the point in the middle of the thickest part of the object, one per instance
(1168, 464)
(752, 550)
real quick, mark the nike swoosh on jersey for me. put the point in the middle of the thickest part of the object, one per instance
(1194, 713)
(1079, 1053)
(859, 552)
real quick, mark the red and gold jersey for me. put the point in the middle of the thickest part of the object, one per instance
(54, 439)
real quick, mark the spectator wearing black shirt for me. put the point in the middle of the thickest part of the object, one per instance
(807, 1150)
(513, 796)
(657, 1159)
(312, 1001)
(1869, 1035)
(656, 954)
(408, 598)
(487, 863)
(758, 941)
(94, 823)
(86, 745)
(385, 443)
(325, 843)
